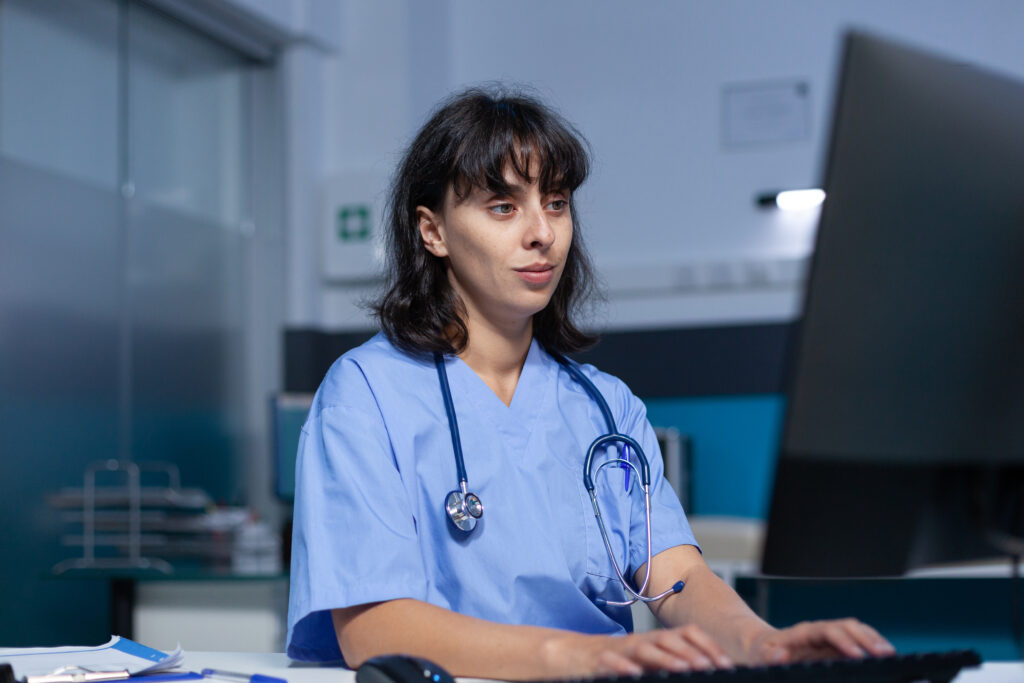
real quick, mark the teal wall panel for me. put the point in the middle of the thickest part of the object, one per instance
(921, 614)
(733, 442)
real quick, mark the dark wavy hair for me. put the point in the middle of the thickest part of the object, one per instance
(469, 143)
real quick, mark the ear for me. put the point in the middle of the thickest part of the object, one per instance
(430, 224)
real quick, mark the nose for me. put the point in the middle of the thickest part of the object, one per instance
(539, 233)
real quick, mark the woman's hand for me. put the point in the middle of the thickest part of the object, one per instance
(818, 640)
(686, 648)
(683, 648)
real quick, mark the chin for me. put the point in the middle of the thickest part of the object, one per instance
(537, 309)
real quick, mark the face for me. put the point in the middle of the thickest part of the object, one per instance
(505, 253)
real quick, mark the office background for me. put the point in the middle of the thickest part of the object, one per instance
(163, 171)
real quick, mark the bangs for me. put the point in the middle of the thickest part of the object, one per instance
(515, 135)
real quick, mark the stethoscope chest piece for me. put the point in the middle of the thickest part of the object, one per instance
(464, 509)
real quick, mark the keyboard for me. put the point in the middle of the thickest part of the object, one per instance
(936, 667)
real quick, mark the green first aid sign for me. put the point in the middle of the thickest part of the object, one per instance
(353, 222)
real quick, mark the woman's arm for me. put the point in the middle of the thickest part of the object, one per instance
(714, 607)
(468, 646)
(707, 625)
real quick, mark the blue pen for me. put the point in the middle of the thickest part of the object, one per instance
(626, 466)
(248, 678)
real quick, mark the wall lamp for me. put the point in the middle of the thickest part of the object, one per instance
(791, 200)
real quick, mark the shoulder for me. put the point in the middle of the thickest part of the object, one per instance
(624, 404)
(371, 370)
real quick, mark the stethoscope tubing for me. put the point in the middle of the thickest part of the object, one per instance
(607, 440)
(453, 424)
(612, 437)
(589, 387)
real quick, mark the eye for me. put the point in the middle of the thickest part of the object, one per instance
(558, 204)
(503, 209)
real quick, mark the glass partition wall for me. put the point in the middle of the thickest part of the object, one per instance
(185, 207)
(125, 233)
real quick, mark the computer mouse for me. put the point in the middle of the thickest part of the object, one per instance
(401, 669)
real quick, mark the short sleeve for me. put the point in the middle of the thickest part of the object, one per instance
(669, 526)
(354, 537)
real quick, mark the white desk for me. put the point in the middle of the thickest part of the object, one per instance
(277, 664)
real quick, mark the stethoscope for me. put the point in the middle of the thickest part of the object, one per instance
(464, 507)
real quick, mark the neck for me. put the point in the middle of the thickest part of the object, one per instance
(497, 355)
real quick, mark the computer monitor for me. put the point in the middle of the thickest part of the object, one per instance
(287, 415)
(903, 443)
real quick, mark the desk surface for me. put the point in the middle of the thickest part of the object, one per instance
(277, 664)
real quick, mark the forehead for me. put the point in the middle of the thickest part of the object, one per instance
(515, 172)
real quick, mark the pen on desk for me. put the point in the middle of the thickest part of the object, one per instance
(245, 678)
(78, 675)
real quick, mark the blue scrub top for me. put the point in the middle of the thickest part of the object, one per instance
(375, 463)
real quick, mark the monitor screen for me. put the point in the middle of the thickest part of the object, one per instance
(288, 414)
(903, 444)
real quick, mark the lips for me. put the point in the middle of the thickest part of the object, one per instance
(537, 273)
(536, 268)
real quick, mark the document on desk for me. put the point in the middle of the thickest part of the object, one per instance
(117, 654)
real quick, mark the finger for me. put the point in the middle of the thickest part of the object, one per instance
(835, 633)
(650, 656)
(804, 641)
(854, 639)
(673, 642)
(772, 647)
(610, 662)
(773, 653)
(703, 642)
(868, 638)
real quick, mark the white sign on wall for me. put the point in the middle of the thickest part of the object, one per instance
(351, 226)
(768, 112)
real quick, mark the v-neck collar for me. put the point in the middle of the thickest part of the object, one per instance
(516, 421)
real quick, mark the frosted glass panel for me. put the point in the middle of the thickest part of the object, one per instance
(58, 86)
(121, 316)
(59, 307)
(187, 308)
(187, 128)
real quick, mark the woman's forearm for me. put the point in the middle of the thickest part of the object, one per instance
(709, 604)
(464, 645)
(707, 624)
(706, 601)
(469, 646)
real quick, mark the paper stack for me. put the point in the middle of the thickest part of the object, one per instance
(116, 655)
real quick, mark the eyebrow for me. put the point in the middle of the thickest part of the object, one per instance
(514, 189)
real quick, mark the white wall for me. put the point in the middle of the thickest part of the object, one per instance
(667, 203)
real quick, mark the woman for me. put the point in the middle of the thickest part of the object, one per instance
(487, 275)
